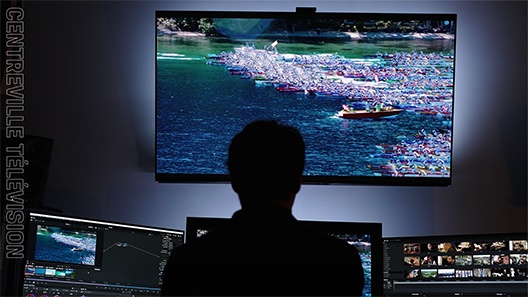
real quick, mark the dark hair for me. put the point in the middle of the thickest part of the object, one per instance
(265, 158)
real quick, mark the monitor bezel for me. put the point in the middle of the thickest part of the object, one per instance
(17, 266)
(439, 238)
(374, 229)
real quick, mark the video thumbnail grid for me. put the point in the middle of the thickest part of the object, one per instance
(466, 260)
(37, 270)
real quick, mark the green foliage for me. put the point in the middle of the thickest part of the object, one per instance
(206, 26)
(202, 25)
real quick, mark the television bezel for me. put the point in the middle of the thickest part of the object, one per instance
(307, 12)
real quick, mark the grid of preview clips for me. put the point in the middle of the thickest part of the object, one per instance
(466, 260)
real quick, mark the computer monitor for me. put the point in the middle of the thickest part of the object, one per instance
(366, 237)
(70, 256)
(456, 265)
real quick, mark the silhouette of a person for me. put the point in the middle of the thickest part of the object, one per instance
(263, 249)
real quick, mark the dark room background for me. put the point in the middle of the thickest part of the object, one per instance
(89, 85)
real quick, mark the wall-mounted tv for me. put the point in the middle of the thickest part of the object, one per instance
(372, 93)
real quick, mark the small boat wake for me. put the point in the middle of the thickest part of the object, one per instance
(176, 56)
(77, 243)
(66, 245)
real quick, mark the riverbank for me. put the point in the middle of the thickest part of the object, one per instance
(334, 36)
(166, 31)
(395, 36)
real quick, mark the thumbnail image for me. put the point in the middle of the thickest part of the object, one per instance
(446, 247)
(481, 260)
(429, 248)
(463, 260)
(506, 260)
(464, 246)
(30, 270)
(446, 260)
(50, 272)
(482, 272)
(518, 245)
(412, 273)
(73, 246)
(501, 259)
(428, 261)
(496, 260)
(446, 273)
(428, 273)
(40, 271)
(521, 272)
(501, 272)
(464, 273)
(481, 246)
(412, 261)
(498, 246)
(411, 248)
(518, 259)
(70, 273)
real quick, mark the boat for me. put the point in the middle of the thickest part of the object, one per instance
(288, 89)
(370, 114)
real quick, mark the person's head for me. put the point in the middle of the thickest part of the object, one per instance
(266, 162)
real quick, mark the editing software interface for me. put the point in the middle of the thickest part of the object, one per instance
(461, 265)
(69, 256)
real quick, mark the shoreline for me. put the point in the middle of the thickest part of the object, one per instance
(329, 35)
(394, 36)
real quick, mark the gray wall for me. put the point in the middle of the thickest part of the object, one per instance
(89, 79)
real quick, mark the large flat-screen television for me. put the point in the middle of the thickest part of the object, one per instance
(371, 93)
(74, 256)
(365, 236)
(456, 265)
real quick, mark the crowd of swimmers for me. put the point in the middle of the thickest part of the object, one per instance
(414, 81)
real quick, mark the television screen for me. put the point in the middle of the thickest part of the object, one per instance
(366, 237)
(72, 256)
(372, 94)
(456, 265)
